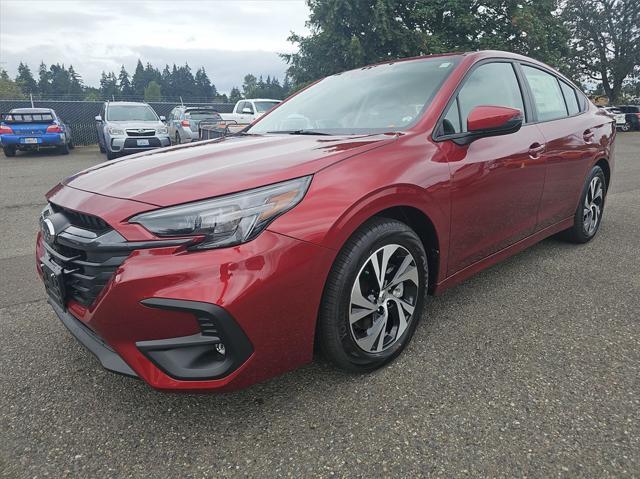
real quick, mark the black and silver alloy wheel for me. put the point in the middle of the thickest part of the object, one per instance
(374, 296)
(588, 215)
(592, 207)
(383, 298)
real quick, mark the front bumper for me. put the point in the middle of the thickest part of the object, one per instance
(47, 139)
(165, 309)
(129, 144)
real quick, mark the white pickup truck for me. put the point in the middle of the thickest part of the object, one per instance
(246, 111)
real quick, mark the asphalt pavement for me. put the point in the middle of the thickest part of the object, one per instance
(531, 368)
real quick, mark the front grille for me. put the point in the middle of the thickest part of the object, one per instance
(141, 132)
(82, 220)
(133, 143)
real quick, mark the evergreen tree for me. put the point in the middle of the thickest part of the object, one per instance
(25, 80)
(75, 84)
(44, 80)
(138, 80)
(124, 84)
(235, 95)
(152, 92)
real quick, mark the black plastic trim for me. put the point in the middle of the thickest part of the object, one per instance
(108, 357)
(192, 357)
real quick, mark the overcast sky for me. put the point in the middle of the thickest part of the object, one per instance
(230, 38)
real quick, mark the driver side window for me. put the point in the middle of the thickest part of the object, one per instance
(491, 84)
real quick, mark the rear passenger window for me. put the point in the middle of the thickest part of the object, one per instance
(570, 98)
(546, 94)
(491, 84)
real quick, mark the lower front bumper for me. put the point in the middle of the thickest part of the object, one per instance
(107, 356)
(130, 145)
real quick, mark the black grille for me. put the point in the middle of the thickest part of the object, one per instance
(86, 272)
(142, 132)
(82, 220)
(133, 143)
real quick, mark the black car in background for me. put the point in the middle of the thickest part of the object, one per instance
(632, 114)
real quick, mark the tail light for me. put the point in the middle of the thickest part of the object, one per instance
(5, 130)
(185, 123)
(54, 129)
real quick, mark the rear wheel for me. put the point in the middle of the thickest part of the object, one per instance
(64, 149)
(71, 145)
(9, 151)
(177, 142)
(374, 296)
(588, 215)
(626, 126)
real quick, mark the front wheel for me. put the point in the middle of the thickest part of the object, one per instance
(588, 215)
(626, 126)
(374, 296)
(111, 155)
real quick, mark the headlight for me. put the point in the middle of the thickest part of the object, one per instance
(227, 220)
(115, 131)
(162, 130)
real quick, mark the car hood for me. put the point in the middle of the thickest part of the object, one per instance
(126, 125)
(202, 170)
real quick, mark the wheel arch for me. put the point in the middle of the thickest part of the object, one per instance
(606, 168)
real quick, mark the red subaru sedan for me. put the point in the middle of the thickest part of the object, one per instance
(326, 223)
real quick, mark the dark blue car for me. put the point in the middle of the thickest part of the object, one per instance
(32, 129)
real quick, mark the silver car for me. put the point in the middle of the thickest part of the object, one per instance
(184, 120)
(128, 127)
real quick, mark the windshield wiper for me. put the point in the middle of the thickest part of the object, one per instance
(300, 132)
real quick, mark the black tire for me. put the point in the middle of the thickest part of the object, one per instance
(177, 142)
(580, 232)
(335, 333)
(102, 149)
(9, 151)
(111, 155)
(64, 149)
(71, 145)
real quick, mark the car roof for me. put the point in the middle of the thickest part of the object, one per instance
(128, 103)
(31, 110)
(261, 99)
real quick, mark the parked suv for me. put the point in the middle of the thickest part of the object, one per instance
(326, 223)
(632, 115)
(183, 122)
(128, 127)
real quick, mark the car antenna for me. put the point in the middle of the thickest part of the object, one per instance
(31, 97)
(181, 102)
(112, 98)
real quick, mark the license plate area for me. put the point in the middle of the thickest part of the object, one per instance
(53, 278)
(30, 141)
(143, 142)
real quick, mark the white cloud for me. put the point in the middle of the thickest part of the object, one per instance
(229, 38)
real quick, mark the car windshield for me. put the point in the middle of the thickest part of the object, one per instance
(201, 114)
(375, 99)
(262, 106)
(131, 113)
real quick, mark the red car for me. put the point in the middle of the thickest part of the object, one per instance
(215, 265)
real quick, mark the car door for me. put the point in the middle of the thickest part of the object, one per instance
(570, 139)
(496, 182)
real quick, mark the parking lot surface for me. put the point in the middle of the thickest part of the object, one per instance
(531, 368)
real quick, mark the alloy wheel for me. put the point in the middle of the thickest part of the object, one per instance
(383, 298)
(592, 208)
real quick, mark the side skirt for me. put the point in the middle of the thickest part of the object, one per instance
(504, 253)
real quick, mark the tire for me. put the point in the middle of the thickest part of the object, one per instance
(102, 149)
(9, 151)
(111, 155)
(626, 126)
(588, 215)
(352, 338)
(71, 145)
(64, 149)
(177, 139)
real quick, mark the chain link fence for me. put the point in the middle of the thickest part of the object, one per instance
(79, 116)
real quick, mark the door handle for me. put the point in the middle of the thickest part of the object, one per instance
(536, 150)
(588, 135)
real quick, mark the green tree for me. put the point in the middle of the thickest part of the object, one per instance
(249, 86)
(138, 80)
(204, 89)
(76, 89)
(347, 34)
(235, 95)
(605, 44)
(124, 84)
(44, 80)
(25, 79)
(152, 92)
(9, 90)
(108, 85)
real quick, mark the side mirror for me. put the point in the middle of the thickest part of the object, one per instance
(247, 111)
(163, 118)
(98, 118)
(485, 121)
